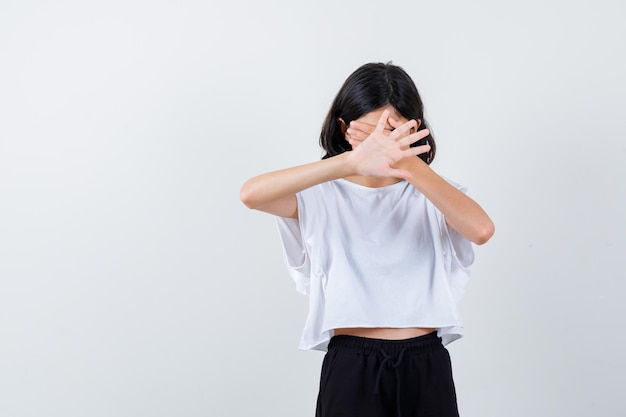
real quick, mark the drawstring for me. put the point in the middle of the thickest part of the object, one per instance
(387, 361)
(382, 361)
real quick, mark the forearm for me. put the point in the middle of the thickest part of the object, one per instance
(273, 186)
(274, 192)
(460, 211)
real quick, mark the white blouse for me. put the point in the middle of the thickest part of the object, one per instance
(374, 257)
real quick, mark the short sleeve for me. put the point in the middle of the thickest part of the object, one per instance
(294, 253)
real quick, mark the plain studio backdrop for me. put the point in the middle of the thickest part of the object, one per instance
(133, 282)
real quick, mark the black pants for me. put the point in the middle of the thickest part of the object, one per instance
(364, 377)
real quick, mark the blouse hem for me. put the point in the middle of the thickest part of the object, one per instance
(448, 334)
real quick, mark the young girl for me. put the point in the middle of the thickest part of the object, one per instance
(381, 244)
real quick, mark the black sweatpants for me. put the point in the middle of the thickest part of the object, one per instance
(364, 377)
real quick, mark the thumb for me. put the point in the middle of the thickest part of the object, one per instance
(400, 173)
(394, 123)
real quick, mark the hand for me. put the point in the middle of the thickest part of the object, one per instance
(377, 153)
(359, 131)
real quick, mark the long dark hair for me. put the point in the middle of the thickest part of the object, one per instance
(369, 88)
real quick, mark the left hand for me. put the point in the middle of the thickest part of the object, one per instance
(359, 131)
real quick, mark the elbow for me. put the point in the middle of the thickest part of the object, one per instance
(484, 233)
(246, 195)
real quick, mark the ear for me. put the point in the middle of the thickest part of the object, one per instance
(419, 123)
(344, 128)
(342, 125)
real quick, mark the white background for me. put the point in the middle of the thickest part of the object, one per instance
(133, 282)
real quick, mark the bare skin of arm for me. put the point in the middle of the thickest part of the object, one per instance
(378, 158)
(461, 212)
(274, 192)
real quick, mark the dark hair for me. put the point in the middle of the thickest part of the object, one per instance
(369, 88)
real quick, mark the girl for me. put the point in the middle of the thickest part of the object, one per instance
(381, 244)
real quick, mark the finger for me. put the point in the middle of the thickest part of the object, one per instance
(357, 133)
(405, 129)
(399, 173)
(354, 142)
(408, 140)
(394, 123)
(363, 127)
(380, 126)
(418, 150)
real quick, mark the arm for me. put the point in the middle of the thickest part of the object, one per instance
(460, 211)
(275, 192)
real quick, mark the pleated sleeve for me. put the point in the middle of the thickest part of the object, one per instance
(294, 253)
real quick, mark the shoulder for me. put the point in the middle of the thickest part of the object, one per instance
(314, 199)
(318, 190)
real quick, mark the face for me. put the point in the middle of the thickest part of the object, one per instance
(372, 118)
(366, 124)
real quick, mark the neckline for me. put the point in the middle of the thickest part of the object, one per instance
(365, 187)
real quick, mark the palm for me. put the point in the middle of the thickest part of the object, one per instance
(377, 154)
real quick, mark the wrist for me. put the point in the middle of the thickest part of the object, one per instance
(348, 164)
(408, 163)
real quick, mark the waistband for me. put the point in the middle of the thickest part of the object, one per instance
(426, 342)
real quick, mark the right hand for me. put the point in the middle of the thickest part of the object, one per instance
(376, 155)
